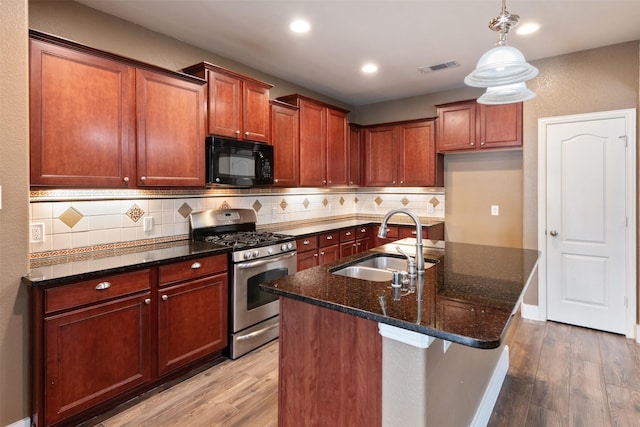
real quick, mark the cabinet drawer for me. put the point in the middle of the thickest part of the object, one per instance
(362, 232)
(347, 235)
(191, 269)
(307, 243)
(392, 231)
(327, 239)
(411, 232)
(95, 290)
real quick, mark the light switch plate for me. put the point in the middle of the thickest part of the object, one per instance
(147, 224)
(495, 210)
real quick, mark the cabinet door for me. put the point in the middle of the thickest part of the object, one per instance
(225, 109)
(337, 166)
(355, 155)
(307, 259)
(417, 154)
(255, 112)
(380, 157)
(170, 131)
(329, 254)
(500, 125)
(81, 118)
(95, 353)
(347, 249)
(192, 321)
(313, 127)
(363, 244)
(284, 138)
(457, 127)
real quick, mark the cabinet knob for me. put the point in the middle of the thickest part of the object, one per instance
(350, 182)
(147, 301)
(482, 143)
(196, 265)
(143, 178)
(275, 180)
(324, 181)
(401, 182)
(165, 297)
(246, 134)
(322, 253)
(103, 286)
(125, 179)
(315, 255)
(237, 132)
(393, 182)
(414, 232)
(472, 143)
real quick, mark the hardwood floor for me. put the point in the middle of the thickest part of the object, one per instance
(559, 375)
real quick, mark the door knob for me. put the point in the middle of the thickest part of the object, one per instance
(554, 233)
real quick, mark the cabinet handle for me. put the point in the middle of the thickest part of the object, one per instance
(196, 265)
(306, 242)
(322, 253)
(147, 301)
(103, 286)
(315, 255)
(354, 245)
(348, 233)
(143, 178)
(125, 179)
(414, 232)
(329, 237)
(165, 297)
(363, 230)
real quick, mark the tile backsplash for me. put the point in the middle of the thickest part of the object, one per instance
(94, 222)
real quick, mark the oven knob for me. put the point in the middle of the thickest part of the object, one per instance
(290, 246)
(283, 247)
(256, 253)
(269, 251)
(247, 255)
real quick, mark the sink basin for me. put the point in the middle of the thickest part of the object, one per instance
(365, 273)
(384, 262)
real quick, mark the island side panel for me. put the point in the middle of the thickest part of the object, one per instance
(330, 367)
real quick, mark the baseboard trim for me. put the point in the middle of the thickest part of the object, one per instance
(638, 334)
(530, 312)
(26, 422)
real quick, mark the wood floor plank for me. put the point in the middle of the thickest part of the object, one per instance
(558, 331)
(551, 387)
(524, 350)
(619, 363)
(512, 404)
(585, 345)
(588, 395)
(538, 416)
(624, 406)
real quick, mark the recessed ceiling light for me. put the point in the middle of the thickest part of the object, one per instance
(300, 26)
(528, 28)
(369, 68)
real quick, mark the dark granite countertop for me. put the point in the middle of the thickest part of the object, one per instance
(321, 227)
(467, 297)
(59, 271)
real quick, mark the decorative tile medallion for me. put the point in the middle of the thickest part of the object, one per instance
(434, 201)
(70, 217)
(341, 201)
(404, 201)
(225, 205)
(185, 210)
(356, 200)
(305, 203)
(257, 206)
(378, 200)
(284, 204)
(325, 202)
(135, 213)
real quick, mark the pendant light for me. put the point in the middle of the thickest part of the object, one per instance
(503, 69)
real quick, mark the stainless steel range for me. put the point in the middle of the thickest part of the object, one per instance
(257, 257)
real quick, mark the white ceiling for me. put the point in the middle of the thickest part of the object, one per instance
(398, 35)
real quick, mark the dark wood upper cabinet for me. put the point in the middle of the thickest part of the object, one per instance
(82, 111)
(170, 131)
(402, 154)
(467, 125)
(355, 154)
(285, 141)
(238, 106)
(323, 142)
(102, 121)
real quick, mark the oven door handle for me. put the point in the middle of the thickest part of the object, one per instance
(256, 333)
(260, 262)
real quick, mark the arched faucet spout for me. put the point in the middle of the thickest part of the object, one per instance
(382, 233)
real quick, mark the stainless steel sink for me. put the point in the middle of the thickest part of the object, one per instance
(365, 273)
(378, 268)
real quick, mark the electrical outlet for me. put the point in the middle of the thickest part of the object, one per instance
(274, 214)
(147, 224)
(495, 210)
(430, 209)
(36, 233)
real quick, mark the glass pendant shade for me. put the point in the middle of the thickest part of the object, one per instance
(500, 66)
(506, 94)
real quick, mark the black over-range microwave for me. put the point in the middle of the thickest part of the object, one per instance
(237, 163)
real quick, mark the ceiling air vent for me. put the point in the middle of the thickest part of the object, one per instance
(431, 68)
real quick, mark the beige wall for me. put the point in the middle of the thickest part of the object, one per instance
(14, 215)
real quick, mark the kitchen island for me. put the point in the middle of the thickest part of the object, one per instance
(359, 352)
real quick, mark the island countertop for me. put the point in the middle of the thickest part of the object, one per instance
(467, 297)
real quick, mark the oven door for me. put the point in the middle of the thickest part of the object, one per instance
(250, 305)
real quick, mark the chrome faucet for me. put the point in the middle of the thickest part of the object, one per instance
(382, 233)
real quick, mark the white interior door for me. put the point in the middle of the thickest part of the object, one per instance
(587, 223)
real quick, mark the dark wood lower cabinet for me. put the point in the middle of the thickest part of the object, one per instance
(95, 353)
(330, 367)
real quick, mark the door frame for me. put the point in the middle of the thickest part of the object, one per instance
(630, 274)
